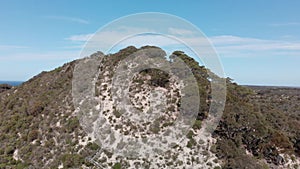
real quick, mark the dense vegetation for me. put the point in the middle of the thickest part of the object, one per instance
(37, 123)
(257, 126)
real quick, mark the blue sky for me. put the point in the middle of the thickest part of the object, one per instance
(258, 41)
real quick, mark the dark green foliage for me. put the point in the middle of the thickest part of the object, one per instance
(30, 112)
(243, 161)
(9, 150)
(217, 167)
(197, 124)
(72, 124)
(36, 108)
(190, 134)
(92, 146)
(191, 143)
(117, 166)
(158, 77)
(117, 113)
(247, 124)
(72, 160)
(201, 74)
(155, 128)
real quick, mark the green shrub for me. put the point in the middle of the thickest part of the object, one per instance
(92, 146)
(197, 124)
(72, 124)
(117, 166)
(72, 160)
(192, 142)
(32, 135)
(9, 150)
(117, 113)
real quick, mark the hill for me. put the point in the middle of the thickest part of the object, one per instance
(40, 126)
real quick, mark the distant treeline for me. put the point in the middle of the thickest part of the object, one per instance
(12, 83)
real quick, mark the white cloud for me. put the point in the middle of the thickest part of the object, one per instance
(234, 46)
(69, 19)
(226, 45)
(128, 35)
(101, 41)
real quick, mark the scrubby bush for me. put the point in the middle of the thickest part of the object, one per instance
(32, 135)
(117, 166)
(92, 146)
(72, 160)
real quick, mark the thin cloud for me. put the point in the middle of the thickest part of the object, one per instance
(80, 38)
(225, 45)
(285, 24)
(44, 56)
(182, 32)
(10, 47)
(234, 46)
(69, 19)
(79, 46)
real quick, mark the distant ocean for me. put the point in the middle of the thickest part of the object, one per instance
(13, 83)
